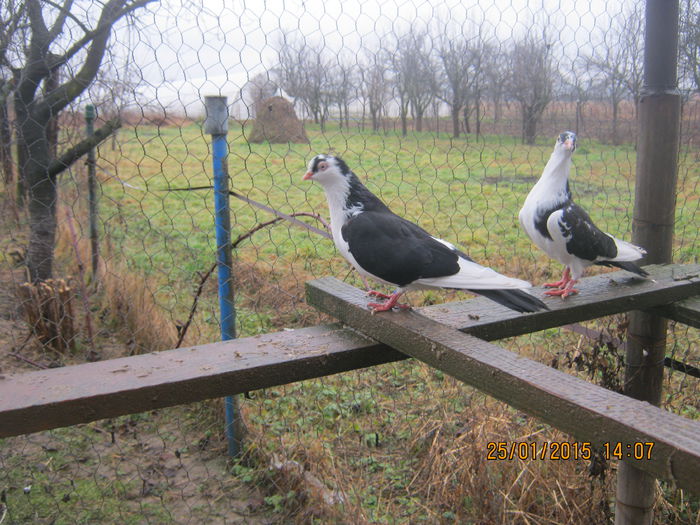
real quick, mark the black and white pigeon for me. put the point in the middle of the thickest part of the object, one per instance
(394, 251)
(564, 231)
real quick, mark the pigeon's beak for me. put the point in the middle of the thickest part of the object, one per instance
(307, 175)
(569, 144)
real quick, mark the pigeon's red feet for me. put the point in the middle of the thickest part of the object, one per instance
(379, 295)
(391, 303)
(557, 284)
(564, 292)
(561, 284)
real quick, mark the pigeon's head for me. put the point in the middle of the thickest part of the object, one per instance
(327, 169)
(566, 141)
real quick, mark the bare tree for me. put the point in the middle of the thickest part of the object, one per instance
(12, 19)
(303, 74)
(618, 56)
(633, 41)
(495, 69)
(581, 85)
(374, 86)
(414, 77)
(531, 81)
(55, 36)
(460, 61)
(290, 75)
(257, 89)
(341, 80)
(478, 85)
(400, 93)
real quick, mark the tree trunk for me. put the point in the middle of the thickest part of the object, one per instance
(42, 226)
(404, 123)
(41, 192)
(478, 117)
(50, 84)
(455, 121)
(615, 108)
(529, 126)
(467, 127)
(579, 116)
(6, 145)
(419, 120)
(497, 110)
(22, 153)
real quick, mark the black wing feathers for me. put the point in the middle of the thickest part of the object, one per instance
(397, 250)
(585, 239)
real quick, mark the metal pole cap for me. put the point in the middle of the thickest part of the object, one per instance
(216, 122)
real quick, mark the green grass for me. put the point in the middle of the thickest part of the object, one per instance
(56, 489)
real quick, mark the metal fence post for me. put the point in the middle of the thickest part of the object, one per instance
(216, 124)
(654, 216)
(92, 192)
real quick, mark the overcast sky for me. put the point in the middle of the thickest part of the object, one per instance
(186, 50)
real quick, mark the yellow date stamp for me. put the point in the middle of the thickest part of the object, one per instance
(566, 450)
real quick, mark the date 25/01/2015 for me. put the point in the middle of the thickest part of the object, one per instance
(564, 450)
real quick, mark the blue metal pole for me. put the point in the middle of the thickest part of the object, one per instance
(217, 125)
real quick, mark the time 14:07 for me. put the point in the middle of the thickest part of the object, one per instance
(639, 450)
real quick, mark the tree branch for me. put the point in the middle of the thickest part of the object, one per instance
(6, 87)
(80, 149)
(35, 68)
(182, 330)
(101, 26)
(63, 14)
(10, 26)
(64, 94)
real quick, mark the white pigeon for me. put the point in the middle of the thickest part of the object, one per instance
(394, 251)
(564, 231)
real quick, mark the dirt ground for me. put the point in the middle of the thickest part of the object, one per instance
(159, 467)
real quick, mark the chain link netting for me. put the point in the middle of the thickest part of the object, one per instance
(446, 110)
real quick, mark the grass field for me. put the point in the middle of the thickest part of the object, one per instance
(400, 443)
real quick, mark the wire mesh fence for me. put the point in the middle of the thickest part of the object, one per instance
(448, 111)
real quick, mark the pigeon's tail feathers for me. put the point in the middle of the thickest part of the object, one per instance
(517, 300)
(473, 276)
(626, 254)
(627, 251)
(626, 265)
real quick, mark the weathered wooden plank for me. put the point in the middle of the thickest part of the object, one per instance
(585, 411)
(59, 397)
(53, 398)
(600, 295)
(686, 311)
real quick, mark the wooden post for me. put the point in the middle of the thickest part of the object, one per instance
(654, 214)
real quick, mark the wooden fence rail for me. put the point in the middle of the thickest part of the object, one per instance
(46, 399)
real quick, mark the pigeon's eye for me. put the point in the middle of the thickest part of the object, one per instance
(322, 166)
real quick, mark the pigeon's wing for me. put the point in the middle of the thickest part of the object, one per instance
(583, 239)
(396, 250)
